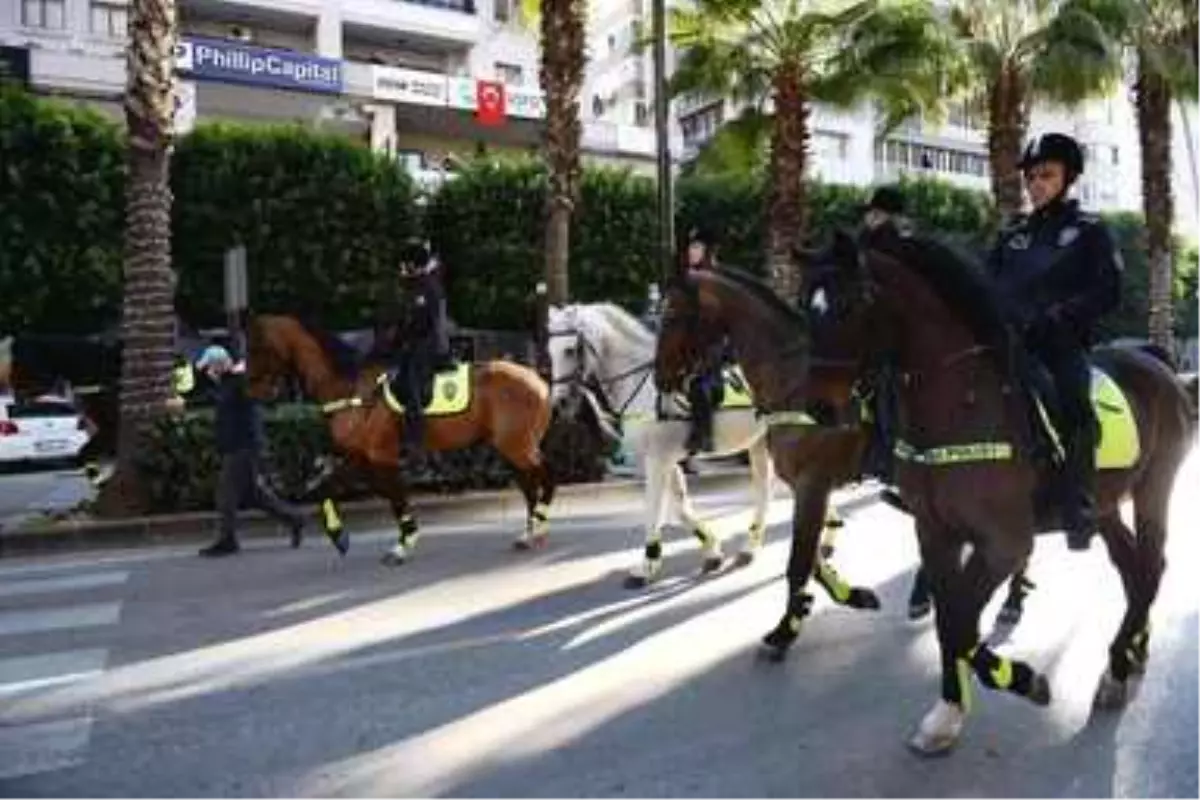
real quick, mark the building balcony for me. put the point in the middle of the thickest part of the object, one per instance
(432, 22)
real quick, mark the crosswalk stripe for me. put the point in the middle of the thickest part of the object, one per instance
(42, 746)
(63, 583)
(24, 673)
(90, 615)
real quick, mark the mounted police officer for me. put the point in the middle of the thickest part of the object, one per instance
(420, 345)
(884, 221)
(706, 389)
(1057, 272)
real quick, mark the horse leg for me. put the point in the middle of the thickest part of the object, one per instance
(658, 506)
(1014, 603)
(533, 477)
(761, 481)
(960, 595)
(808, 512)
(1141, 563)
(331, 520)
(710, 541)
(387, 481)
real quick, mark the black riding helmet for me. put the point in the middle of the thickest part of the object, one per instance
(414, 256)
(1054, 147)
(888, 199)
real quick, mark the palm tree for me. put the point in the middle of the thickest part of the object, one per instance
(1161, 34)
(564, 58)
(147, 324)
(781, 56)
(1020, 51)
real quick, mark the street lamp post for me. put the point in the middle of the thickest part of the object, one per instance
(666, 205)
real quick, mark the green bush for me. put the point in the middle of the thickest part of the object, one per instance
(487, 224)
(181, 464)
(321, 217)
(62, 195)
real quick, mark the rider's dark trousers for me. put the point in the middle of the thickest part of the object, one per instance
(704, 397)
(411, 386)
(1068, 367)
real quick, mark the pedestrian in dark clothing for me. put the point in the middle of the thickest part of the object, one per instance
(239, 439)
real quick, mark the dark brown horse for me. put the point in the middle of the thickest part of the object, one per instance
(773, 347)
(967, 473)
(508, 408)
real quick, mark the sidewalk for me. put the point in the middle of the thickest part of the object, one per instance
(502, 507)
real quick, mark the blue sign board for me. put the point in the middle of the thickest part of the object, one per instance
(234, 62)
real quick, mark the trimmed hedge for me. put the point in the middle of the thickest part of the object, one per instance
(62, 200)
(322, 220)
(181, 466)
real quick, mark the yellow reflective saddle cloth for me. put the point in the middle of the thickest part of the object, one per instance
(451, 392)
(1119, 445)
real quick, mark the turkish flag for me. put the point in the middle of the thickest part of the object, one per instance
(489, 102)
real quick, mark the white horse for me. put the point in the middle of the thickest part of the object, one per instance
(603, 343)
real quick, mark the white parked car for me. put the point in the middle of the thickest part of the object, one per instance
(48, 428)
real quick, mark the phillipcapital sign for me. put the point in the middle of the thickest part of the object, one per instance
(233, 62)
(431, 89)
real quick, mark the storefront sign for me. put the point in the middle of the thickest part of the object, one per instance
(14, 65)
(410, 86)
(234, 62)
(519, 101)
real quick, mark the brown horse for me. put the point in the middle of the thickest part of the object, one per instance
(967, 473)
(772, 343)
(508, 408)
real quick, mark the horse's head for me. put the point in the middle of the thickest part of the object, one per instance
(576, 343)
(689, 329)
(269, 354)
(838, 296)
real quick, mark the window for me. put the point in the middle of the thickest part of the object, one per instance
(50, 14)
(510, 74)
(109, 18)
(641, 114)
(1116, 153)
(502, 10)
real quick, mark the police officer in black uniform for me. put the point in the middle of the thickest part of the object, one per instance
(706, 389)
(1058, 272)
(421, 345)
(883, 222)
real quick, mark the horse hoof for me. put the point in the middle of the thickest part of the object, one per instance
(744, 559)
(863, 599)
(391, 560)
(1009, 616)
(919, 610)
(340, 540)
(711, 564)
(771, 653)
(636, 582)
(1112, 694)
(1039, 691)
(939, 730)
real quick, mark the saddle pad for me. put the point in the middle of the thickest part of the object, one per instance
(451, 392)
(1119, 445)
(737, 390)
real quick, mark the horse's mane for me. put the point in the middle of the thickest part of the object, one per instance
(624, 322)
(343, 357)
(961, 284)
(764, 293)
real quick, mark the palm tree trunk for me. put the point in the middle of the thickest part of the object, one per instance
(789, 154)
(563, 61)
(1152, 98)
(1008, 121)
(147, 322)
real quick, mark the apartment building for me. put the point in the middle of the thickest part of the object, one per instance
(422, 79)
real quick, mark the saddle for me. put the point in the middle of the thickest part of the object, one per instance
(448, 393)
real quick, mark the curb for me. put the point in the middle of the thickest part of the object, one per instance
(199, 526)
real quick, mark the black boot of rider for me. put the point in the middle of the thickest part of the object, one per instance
(1079, 504)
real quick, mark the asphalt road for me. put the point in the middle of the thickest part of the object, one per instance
(476, 671)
